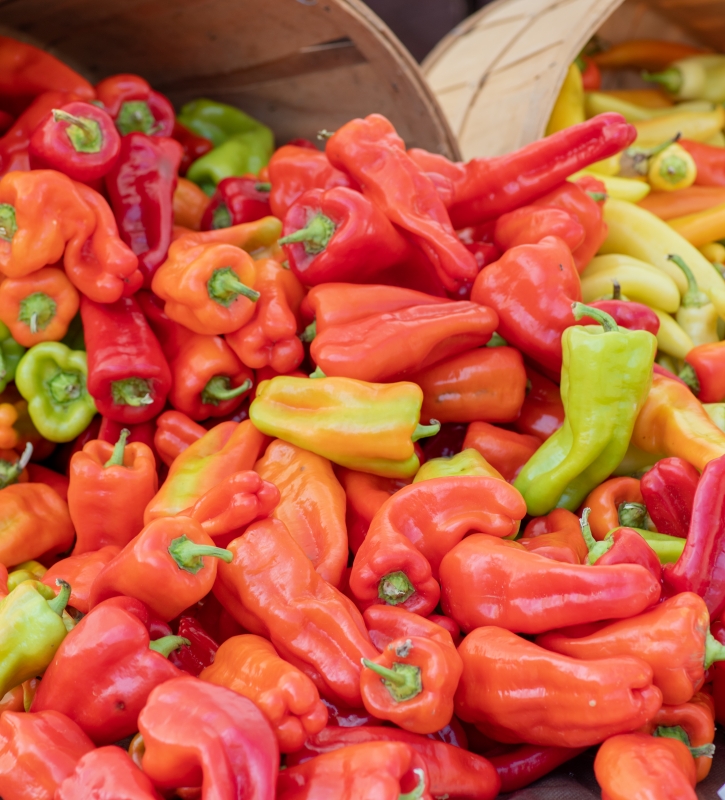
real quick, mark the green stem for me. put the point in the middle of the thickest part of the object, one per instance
(221, 217)
(632, 515)
(395, 588)
(65, 387)
(318, 373)
(403, 681)
(693, 297)
(219, 389)
(167, 644)
(325, 134)
(8, 223)
(263, 187)
(37, 311)
(224, 287)
(714, 651)
(673, 168)
(595, 548)
(10, 471)
(116, 459)
(605, 320)
(3, 371)
(421, 431)
(84, 133)
(133, 392)
(598, 197)
(189, 555)
(309, 333)
(417, 793)
(704, 750)
(678, 733)
(689, 376)
(670, 79)
(315, 236)
(135, 116)
(496, 340)
(60, 601)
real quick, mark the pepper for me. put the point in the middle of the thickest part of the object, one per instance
(38, 307)
(398, 561)
(201, 650)
(77, 139)
(38, 752)
(633, 316)
(628, 546)
(468, 463)
(80, 572)
(331, 417)
(529, 762)
(8, 417)
(323, 635)
(194, 147)
(312, 505)
(128, 376)
(135, 106)
(372, 152)
(107, 774)
(506, 451)
(692, 200)
(531, 288)
(249, 665)
(530, 224)
(542, 412)
(453, 770)
(643, 54)
(474, 570)
(668, 491)
(703, 371)
(237, 200)
(270, 338)
(484, 188)
(175, 432)
(617, 501)
(197, 733)
(109, 487)
(227, 448)
(47, 216)
(37, 473)
(696, 315)
(27, 571)
(697, 125)
(517, 691)
(208, 380)
(569, 105)
(189, 204)
(10, 354)
(596, 432)
(709, 161)
(556, 536)
(141, 187)
(164, 567)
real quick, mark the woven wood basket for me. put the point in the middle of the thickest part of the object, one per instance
(497, 75)
(297, 65)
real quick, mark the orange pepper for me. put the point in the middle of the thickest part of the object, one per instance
(649, 98)
(605, 504)
(506, 451)
(8, 435)
(80, 572)
(701, 227)
(38, 307)
(190, 203)
(23, 425)
(12, 700)
(692, 200)
(649, 54)
(557, 536)
(174, 433)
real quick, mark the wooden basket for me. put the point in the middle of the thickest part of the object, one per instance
(497, 75)
(297, 65)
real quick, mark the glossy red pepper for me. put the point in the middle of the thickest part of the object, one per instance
(200, 651)
(135, 106)
(626, 546)
(80, 572)
(506, 451)
(237, 200)
(107, 774)
(668, 491)
(523, 765)
(627, 314)
(707, 361)
(542, 412)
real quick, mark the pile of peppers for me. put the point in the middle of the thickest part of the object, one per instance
(339, 469)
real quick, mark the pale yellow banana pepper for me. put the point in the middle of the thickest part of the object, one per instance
(628, 189)
(697, 77)
(671, 339)
(569, 106)
(713, 251)
(716, 412)
(601, 103)
(698, 126)
(696, 314)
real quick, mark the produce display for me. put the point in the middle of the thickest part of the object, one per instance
(342, 470)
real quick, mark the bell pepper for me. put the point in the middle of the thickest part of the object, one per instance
(200, 651)
(80, 572)
(169, 566)
(517, 691)
(453, 770)
(172, 335)
(386, 624)
(27, 571)
(617, 501)
(703, 371)
(197, 733)
(386, 770)
(531, 288)
(237, 200)
(542, 412)
(596, 432)
(141, 187)
(208, 380)
(474, 570)
(107, 774)
(668, 491)
(38, 307)
(506, 451)
(110, 486)
(38, 752)
(530, 224)
(175, 432)
(249, 665)
(399, 559)
(47, 216)
(691, 723)
(673, 423)
(128, 375)
(189, 204)
(263, 587)
(331, 417)
(194, 147)
(110, 646)
(523, 765)
(556, 536)
(312, 505)
(135, 107)
(227, 448)
(270, 338)
(484, 188)
(469, 463)
(78, 139)
(10, 354)
(372, 152)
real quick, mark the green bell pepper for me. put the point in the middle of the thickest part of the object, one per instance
(10, 354)
(52, 378)
(605, 378)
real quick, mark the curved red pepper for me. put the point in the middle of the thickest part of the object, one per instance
(668, 491)
(107, 773)
(135, 106)
(627, 314)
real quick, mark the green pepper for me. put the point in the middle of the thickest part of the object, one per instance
(32, 626)
(468, 463)
(52, 378)
(605, 378)
(10, 354)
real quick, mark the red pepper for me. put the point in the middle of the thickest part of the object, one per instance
(542, 413)
(107, 773)
(174, 433)
(372, 152)
(709, 160)
(485, 188)
(708, 363)
(668, 490)
(141, 187)
(529, 762)
(591, 74)
(37, 473)
(626, 546)
(128, 376)
(530, 224)
(633, 316)
(80, 572)
(135, 106)
(531, 288)
(195, 146)
(78, 139)
(200, 651)
(143, 432)
(237, 200)
(717, 629)
(506, 451)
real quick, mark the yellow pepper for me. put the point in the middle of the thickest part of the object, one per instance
(671, 339)
(601, 103)
(703, 227)
(697, 77)
(649, 98)
(627, 189)
(466, 463)
(27, 571)
(696, 314)
(718, 140)
(569, 106)
(713, 251)
(671, 169)
(696, 125)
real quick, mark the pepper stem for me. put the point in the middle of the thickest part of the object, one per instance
(680, 734)
(632, 515)
(65, 387)
(670, 79)
(263, 187)
(318, 373)
(309, 333)
(596, 549)
(189, 555)
(84, 133)
(598, 197)
(395, 588)
(60, 601)
(135, 116)
(616, 289)
(167, 644)
(714, 650)
(673, 168)
(8, 222)
(116, 459)
(403, 681)
(133, 392)
(3, 371)
(421, 431)
(37, 311)
(10, 472)
(315, 236)
(417, 793)
(693, 297)
(496, 340)
(221, 217)
(605, 320)
(689, 376)
(224, 287)
(219, 389)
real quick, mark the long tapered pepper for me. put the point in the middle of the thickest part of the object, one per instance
(668, 491)
(523, 765)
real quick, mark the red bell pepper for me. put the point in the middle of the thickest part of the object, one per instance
(707, 361)
(107, 774)
(128, 376)
(530, 224)
(237, 200)
(195, 146)
(668, 491)
(135, 106)
(110, 431)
